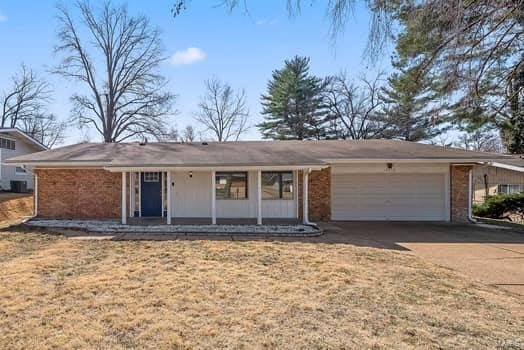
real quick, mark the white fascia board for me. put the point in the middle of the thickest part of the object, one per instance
(507, 166)
(414, 160)
(216, 168)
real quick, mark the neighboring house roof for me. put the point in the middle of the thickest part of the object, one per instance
(515, 163)
(248, 153)
(20, 133)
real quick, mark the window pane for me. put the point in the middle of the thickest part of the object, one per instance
(151, 177)
(270, 186)
(287, 186)
(277, 185)
(231, 185)
(20, 170)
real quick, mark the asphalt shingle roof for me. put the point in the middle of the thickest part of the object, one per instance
(250, 153)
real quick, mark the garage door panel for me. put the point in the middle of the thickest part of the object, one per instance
(388, 197)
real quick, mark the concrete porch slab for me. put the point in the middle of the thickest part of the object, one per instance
(113, 226)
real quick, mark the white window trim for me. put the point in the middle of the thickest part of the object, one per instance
(520, 186)
(24, 173)
(153, 176)
(280, 183)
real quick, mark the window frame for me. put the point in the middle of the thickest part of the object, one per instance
(7, 143)
(230, 173)
(23, 172)
(148, 178)
(508, 188)
(280, 185)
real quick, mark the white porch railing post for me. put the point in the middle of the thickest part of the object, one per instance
(213, 198)
(169, 190)
(259, 197)
(124, 195)
(305, 185)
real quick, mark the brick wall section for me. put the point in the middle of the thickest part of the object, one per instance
(319, 195)
(459, 192)
(79, 193)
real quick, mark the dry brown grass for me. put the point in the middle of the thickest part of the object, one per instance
(14, 206)
(62, 293)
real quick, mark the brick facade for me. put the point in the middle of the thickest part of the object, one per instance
(96, 193)
(460, 192)
(79, 193)
(319, 195)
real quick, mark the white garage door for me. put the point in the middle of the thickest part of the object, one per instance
(388, 197)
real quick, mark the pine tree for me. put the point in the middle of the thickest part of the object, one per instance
(412, 112)
(293, 106)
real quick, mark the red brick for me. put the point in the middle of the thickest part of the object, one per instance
(319, 197)
(460, 192)
(79, 193)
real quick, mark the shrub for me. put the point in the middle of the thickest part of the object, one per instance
(496, 207)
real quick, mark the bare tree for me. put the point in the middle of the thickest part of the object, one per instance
(117, 61)
(338, 13)
(26, 97)
(223, 111)
(189, 134)
(46, 128)
(353, 107)
(480, 140)
(23, 107)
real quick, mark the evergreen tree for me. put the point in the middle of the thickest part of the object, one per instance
(293, 106)
(411, 110)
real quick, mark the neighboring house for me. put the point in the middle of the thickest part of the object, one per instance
(308, 180)
(13, 143)
(505, 176)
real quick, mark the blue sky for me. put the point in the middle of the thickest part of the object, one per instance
(242, 49)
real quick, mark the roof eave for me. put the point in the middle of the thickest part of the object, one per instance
(27, 137)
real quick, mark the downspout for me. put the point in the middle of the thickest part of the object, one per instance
(35, 195)
(470, 196)
(306, 193)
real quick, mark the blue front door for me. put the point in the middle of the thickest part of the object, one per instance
(151, 194)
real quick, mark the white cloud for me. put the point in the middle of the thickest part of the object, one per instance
(3, 17)
(188, 56)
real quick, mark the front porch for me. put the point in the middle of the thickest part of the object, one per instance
(215, 196)
(152, 221)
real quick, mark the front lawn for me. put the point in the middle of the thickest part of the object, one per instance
(63, 293)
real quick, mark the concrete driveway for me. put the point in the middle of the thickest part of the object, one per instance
(494, 256)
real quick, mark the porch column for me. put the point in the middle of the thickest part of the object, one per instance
(305, 185)
(163, 180)
(259, 197)
(140, 194)
(169, 189)
(124, 187)
(213, 198)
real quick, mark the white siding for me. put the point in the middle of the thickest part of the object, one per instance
(192, 198)
(7, 172)
(191, 195)
(406, 192)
